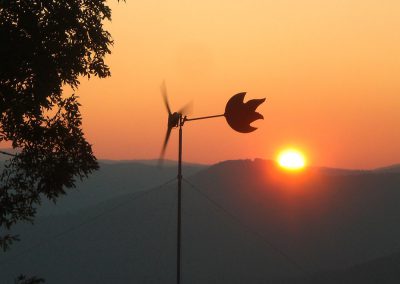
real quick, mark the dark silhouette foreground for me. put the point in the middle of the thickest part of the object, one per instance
(45, 46)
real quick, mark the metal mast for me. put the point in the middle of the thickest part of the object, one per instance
(179, 231)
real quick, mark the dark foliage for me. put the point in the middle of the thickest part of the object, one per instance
(45, 46)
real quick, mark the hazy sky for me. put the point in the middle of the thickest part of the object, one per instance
(330, 71)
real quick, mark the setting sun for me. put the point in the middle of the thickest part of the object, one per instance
(291, 159)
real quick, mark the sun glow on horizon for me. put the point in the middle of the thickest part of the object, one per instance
(291, 159)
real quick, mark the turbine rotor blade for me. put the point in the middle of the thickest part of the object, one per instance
(186, 109)
(165, 97)
(164, 147)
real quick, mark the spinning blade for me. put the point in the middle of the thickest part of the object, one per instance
(165, 97)
(186, 109)
(164, 147)
(174, 119)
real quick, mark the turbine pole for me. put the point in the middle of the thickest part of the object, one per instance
(178, 253)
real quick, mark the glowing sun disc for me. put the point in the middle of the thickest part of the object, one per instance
(291, 159)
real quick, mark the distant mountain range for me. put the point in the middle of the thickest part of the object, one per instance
(243, 222)
(114, 178)
(381, 270)
(393, 169)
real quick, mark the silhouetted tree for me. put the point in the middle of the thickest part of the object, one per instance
(45, 45)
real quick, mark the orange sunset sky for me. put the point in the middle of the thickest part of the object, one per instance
(330, 71)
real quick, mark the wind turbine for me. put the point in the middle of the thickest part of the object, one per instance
(239, 116)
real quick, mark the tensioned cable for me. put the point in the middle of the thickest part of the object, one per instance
(8, 154)
(92, 219)
(251, 230)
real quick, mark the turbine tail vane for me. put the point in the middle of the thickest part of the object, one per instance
(240, 115)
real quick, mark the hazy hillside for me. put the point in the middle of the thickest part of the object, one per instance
(392, 169)
(243, 222)
(115, 178)
(382, 270)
